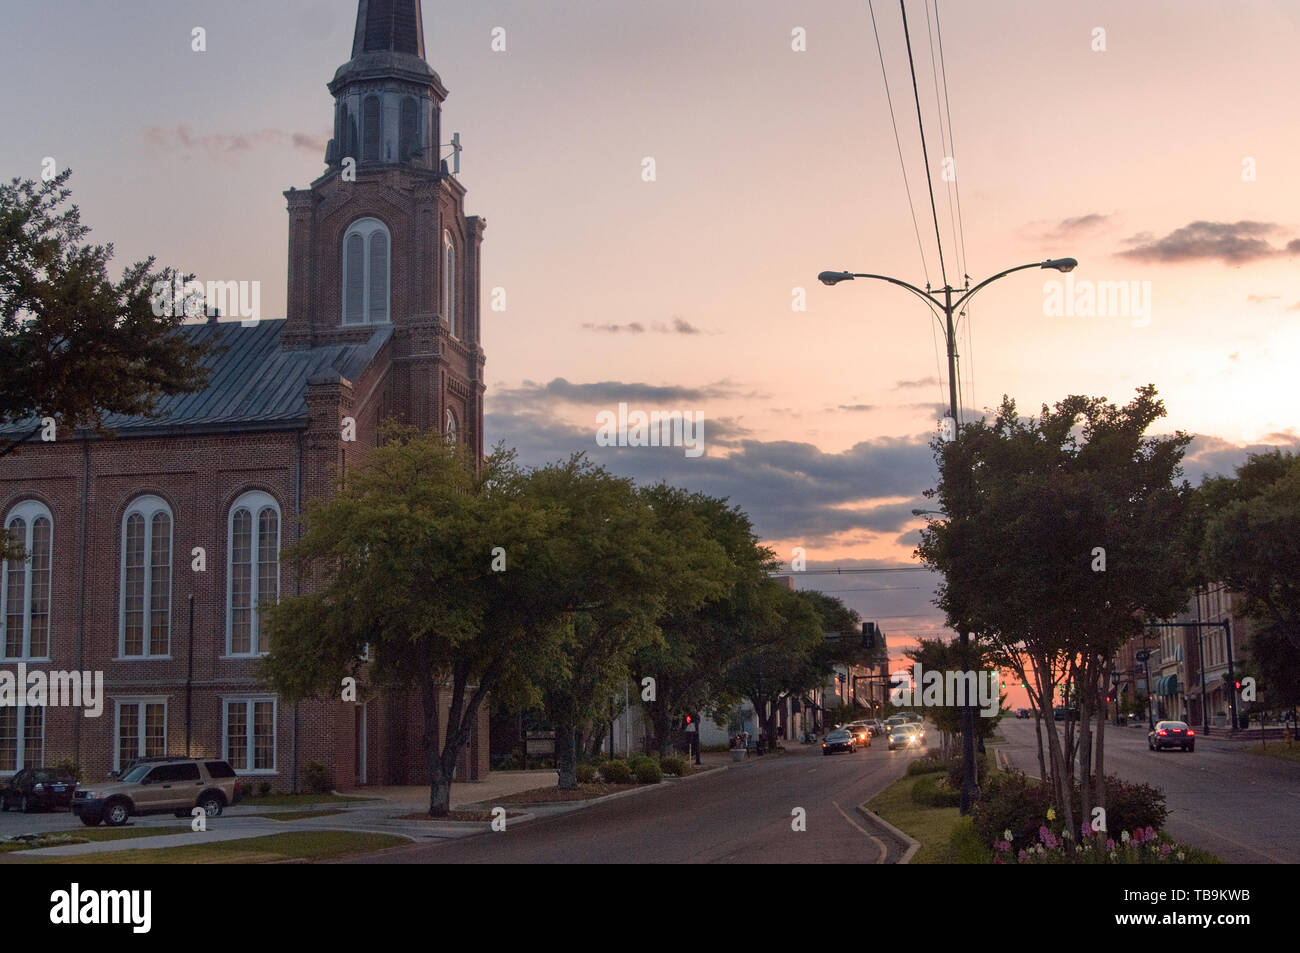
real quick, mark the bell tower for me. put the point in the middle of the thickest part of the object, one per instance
(380, 243)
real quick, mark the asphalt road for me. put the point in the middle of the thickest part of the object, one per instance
(743, 814)
(1241, 807)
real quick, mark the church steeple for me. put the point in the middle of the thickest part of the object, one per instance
(389, 26)
(388, 99)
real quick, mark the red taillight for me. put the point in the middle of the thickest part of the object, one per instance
(1162, 732)
(1190, 732)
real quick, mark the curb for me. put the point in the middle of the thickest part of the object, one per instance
(910, 843)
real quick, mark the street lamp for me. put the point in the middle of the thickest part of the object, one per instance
(949, 307)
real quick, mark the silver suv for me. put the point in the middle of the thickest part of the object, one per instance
(174, 786)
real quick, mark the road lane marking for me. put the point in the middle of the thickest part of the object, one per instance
(879, 843)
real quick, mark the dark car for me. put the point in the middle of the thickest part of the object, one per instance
(861, 733)
(839, 740)
(1060, 712)
(33, 789)
(1171, 734)
(1022, 712)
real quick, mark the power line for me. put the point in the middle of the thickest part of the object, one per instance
(821, 572)
(911, 206)
(961, 228)
(925, 154)
(944, 139)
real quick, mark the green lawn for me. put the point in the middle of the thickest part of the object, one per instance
(932, 826)
(314, 845)
(294, 800)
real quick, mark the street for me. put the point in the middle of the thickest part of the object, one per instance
(1240, 807)
(742, 814)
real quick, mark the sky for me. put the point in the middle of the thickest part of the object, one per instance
(1150, 141)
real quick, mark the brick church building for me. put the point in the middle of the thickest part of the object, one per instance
(382, 322)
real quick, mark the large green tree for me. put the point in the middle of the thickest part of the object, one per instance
(1061, 534)
(74, 344)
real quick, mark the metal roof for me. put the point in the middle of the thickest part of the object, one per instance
(255, 384)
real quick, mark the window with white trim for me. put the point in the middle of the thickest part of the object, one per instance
(450, 430)
(449, 282)
(248, 732)
(25, 586)
(22, 737)
(366, 264)
(141, 730)
(146, 579)
(252, 570)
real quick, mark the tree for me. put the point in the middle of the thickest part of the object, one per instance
(399, 559)
(1061, 534)
(938, 655)
(74, 344)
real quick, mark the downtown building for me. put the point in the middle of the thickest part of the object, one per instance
(152, 547)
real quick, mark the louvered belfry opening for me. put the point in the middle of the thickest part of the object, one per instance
(389, 25)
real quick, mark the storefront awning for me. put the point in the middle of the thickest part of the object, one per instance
(1167, 685)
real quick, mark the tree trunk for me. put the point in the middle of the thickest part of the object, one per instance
(439, 786)
(566, 756)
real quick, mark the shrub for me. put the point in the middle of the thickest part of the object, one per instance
(675, 764)
(1010, 802)
(648, 772)
(616, 772)
(964, 846)
(1129, 806)
(585, 773)
(926, 765)
(637, 760)
(955, 770)
(72, 768)
(316, 777)
(264, 788)
(927, 791)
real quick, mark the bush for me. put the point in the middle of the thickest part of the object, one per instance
(637, 760)
(964, 846)
(1011, 802)
(955, 770)
(648, 772)
(264, 788)
(675, 764)
(585, 773)
(616, 772)
(1129, 806)
(926, 765)
(927, 791)
(72, 768)
(317, 778)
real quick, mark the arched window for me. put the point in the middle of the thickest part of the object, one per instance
(450, 431)
(145, 611)
(449, 282)
(370, 129)
(25, 587)
(365, 272)
(252, 570)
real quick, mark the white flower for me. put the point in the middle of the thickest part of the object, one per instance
(1124, 837)
(1181, 855)
(1006, 835)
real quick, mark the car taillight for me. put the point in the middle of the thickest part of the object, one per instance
(1190, 732)
(1162, 732)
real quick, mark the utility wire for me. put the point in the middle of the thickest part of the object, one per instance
(944, 138)
(961, 228)
(925, 155)
(911, 206)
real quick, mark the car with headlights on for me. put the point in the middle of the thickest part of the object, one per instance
(861, 733)
(1171, 734)
(908, 737)
(841, 739)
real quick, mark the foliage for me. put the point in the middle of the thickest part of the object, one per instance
(74, 344)
(956, 773)
(675, 765)
(1011, 802)
(928, 790)
(585, 773)
(72, 768)
(927, 765)
(648, 772)
(316, 778)
(616, 772)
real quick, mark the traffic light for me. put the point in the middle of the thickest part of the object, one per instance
(688, 719)
(1237, 685)
(868, 635)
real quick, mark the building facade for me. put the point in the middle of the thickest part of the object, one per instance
(152, 550)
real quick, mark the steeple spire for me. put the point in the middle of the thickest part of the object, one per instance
(389, 26)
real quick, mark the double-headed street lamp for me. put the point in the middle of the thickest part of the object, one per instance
(949, 307)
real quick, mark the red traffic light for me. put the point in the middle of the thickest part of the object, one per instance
(1237, 685)
(688, 719)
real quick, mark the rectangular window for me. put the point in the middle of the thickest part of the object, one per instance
(141, 730)
(250, 734)
(241, 585)
(22, 737)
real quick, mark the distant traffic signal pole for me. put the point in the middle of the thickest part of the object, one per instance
(949, 307)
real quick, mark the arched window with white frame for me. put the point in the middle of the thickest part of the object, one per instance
(450, 431)
(146, 579)
(366, 268)
(449, 282)
(25, 586)
(252, 570)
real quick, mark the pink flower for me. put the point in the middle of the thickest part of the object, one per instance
(1002, 845)
(1151, 832)
(1051, 840)
(1044, 833)
(1022, 857)
(1085, 830)
(1165, 850)
(1110, 843)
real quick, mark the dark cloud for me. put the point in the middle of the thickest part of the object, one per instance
(679, 326)
(1214, 456)
(180, 137)
(857, 408)
(919, 382)
(634, 327)
(1232, 243)
(605, 393)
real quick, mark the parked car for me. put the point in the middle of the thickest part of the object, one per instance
(905, 736)
(877, 727)
(839, 740)
(1060, 711)
(1022, 712)
(33, 789)
(1171, 734)
(175, 786)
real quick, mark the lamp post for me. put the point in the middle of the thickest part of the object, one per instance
(949, 307)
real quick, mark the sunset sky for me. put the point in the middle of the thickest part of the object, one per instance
(1168, 158)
